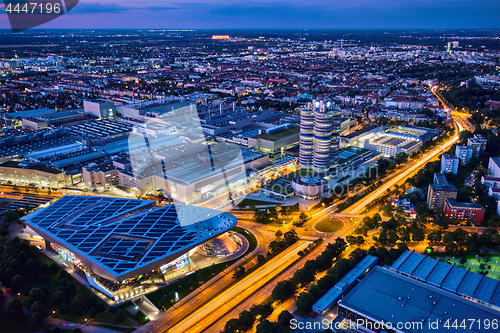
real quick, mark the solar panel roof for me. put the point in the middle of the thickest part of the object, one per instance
(123, 235)
(452, 278)
(392, 297)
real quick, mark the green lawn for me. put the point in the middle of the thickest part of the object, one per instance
(329, 226)
(115, 328)
(163, 297)
(107, 317)
(473, 264)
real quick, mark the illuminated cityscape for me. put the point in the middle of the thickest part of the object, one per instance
(256, 167)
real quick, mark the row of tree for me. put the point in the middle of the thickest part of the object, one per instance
(25, 273)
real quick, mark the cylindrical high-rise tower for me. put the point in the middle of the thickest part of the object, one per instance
(319, 137)
(306, 137)
(322, 139)
(335, 146)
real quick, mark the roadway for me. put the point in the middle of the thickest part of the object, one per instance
(266, 292)
(211, 311)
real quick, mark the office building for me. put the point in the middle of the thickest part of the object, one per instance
(100, 110)
(494, 192)
(319, 137)
(463, 211)
(494, 167)
(122, 243)
(418, 294)
(464, 153)
(477, 143)
(191, 172)
(490, 182)
(53, 119)
(275, 140)
(439, 191)
(392, 141)
(40, 174)
(449, 164)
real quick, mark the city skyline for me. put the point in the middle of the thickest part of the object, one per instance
(288, 14)
(248, 180)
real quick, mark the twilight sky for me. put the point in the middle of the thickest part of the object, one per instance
(207, 14)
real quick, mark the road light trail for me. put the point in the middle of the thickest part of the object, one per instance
(220, 305)
(361, 205)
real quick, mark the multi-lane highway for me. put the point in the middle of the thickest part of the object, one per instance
(216, 308)
(266, 292)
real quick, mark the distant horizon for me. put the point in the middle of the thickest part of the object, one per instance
(283, 14)
(267, 29)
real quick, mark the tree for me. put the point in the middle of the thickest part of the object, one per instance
(405, 236)
(37, 314)
(434, 237)
(232, 326)
(451, 248)
(120, 316)
(283, 290)
(15, 308)
(448, 237)
(36, 319)
(58, 298)
(261, 259)
(278, 234)
(392, 237)
(37, 294)
(460, 235)
(351, 239)
(303, 217)
(262, 216)
(382, 237)
(401, 158)
(44, 279)
(304, 302)
(360, 240)
(246, 319)
(290, 237)
(418, 235)
(92, 313)
(284, 319)
(472, 249)
(64, 309)
(18, 283)
(80, 304)
(265, 326)
(239, 272)
(463, 260)
(387, 210)
(37, 307)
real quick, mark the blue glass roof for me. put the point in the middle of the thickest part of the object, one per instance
(122, 235)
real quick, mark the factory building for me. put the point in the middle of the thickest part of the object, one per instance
(418, 294)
